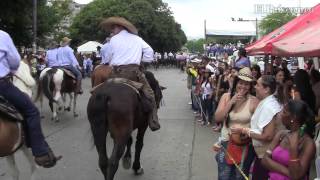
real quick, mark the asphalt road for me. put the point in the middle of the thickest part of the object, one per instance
(179, 151)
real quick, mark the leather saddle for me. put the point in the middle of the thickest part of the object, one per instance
(8, 110)
(68, 73)
(136, 86)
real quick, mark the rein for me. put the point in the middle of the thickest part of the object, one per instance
(21, 80)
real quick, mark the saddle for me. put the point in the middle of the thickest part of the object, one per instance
(11, 131)
(136, 86)
(68, 73)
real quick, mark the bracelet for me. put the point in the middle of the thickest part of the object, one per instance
(294, 160)
(269, 152)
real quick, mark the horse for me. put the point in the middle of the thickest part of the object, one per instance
(24, 82)
(118, 108)
(55, 83)
(100, 74)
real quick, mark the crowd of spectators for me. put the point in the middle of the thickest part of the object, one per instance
(266, 120)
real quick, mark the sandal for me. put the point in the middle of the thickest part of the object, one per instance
(48, 160)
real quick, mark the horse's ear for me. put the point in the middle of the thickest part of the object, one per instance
(163, 88)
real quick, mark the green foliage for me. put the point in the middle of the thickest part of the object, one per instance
(195, 46)
(16, 19)
(152, 18)
(274, 21)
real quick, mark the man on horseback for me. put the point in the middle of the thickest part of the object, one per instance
(9, 63)
(67, 60)
(125, 53)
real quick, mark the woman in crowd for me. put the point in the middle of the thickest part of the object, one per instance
(290, 153)
(302, 89)
(207, 95)
(242, 61)
(263, 122)
(256, 74)
(231, 76)
(315, 80)
(238, 106)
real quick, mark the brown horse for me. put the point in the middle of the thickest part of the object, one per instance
(100, 74)
(55, 84)
(118, 108)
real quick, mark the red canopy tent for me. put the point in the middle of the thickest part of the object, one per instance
(265, 44)
(303, 43)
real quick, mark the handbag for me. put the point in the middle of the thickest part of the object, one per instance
(236, 154)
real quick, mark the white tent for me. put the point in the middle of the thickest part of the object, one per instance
(231, 28)
(89, 47)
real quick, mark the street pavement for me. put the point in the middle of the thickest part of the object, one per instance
(181, 150)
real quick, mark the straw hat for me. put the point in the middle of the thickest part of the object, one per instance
(245, 74)
(65, 41)
(107, 23)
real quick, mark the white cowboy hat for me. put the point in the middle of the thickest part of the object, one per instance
(65, 41)
(107, 23)
(245, 74)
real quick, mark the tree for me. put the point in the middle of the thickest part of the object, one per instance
(152, 18)
(16, 18)
(275, 20)
(195, 46)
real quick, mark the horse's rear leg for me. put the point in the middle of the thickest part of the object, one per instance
(29, 157)
(137, 168)
(74, 104)
(13, 170)
(126, 160)
(117, 152)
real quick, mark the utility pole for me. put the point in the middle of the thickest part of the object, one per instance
(205, 30)
(34, 27)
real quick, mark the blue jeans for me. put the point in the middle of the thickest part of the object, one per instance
(31, 116)
(207, 105)
(75, 71)
(230, 172)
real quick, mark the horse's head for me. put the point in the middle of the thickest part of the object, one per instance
(157, 89)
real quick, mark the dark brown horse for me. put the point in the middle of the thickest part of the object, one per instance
(119, 109)
(55, 83)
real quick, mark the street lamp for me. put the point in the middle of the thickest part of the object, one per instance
(34, 27)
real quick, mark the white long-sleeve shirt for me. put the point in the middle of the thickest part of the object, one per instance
(127, 48)
(9, 56)
(66, 57)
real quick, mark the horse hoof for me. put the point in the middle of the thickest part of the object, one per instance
(60, 108)
(75, 115)
(139, 171)
(67, 109)
(126, 162)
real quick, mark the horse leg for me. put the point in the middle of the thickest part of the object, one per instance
(117, 152)
(74, 104)
(137, 168)
(41, 107)
(126, 160)
(63, 97)
(30, 158)
(13, 170)
(53, 107)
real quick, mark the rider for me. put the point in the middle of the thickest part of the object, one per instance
(51, 56)
(68, 61)
(9, 63)
(125, 53)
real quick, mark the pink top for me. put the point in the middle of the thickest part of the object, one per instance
(281, 156)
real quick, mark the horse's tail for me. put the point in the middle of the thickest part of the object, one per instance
(44, 85)
(96, 112)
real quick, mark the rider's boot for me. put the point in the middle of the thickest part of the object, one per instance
(78, 88)
(153, 120)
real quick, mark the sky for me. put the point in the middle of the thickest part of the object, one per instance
(192, 13)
